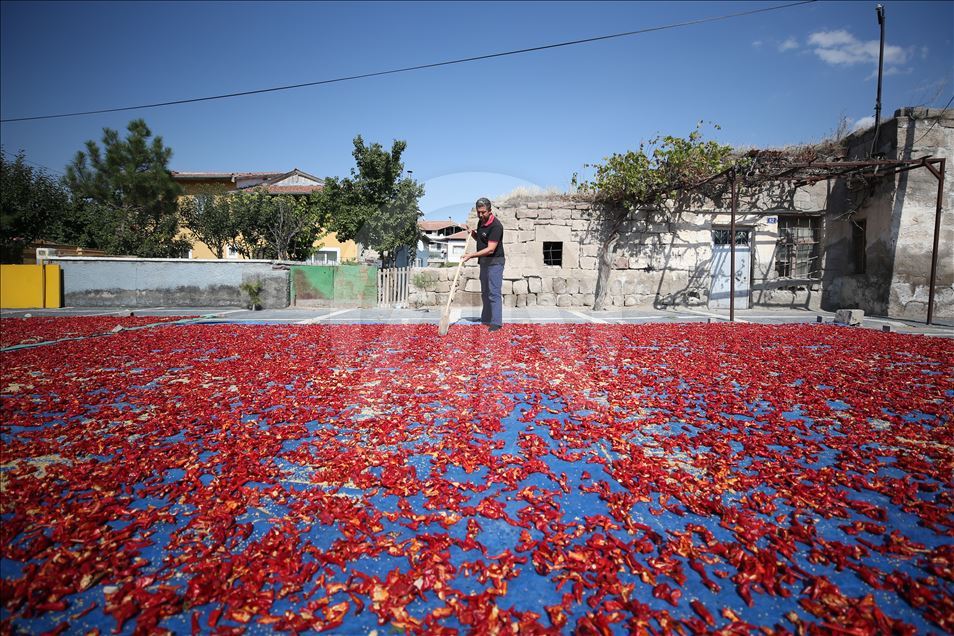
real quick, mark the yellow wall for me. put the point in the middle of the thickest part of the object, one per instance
(30, 286)
(347, 251)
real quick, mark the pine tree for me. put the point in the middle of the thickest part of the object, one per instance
(127, 185)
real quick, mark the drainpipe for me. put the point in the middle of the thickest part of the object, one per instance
(874, 142)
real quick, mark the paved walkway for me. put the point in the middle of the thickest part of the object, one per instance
(630, 315)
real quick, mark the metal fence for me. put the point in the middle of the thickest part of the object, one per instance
(392, 286)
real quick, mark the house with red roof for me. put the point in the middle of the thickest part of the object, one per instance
(294, 182)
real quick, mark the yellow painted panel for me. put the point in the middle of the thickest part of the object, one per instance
(21, 286)
(54, 286)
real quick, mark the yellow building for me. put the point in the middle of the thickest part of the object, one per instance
(295, 182)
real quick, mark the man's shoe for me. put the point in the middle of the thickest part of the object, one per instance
(494, 327)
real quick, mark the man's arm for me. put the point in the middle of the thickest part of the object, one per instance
(491, 246)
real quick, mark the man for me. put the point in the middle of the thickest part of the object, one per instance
(490, 256)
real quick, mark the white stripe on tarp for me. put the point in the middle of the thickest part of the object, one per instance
(586, 317)
(311, 321)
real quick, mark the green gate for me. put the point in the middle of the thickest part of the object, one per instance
(334, 286)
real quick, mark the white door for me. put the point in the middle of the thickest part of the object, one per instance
(721, 268)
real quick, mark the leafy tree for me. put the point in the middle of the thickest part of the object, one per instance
(291, 218)
(376, 206)
(655, 177)
(210, 219)
(270, 226)
(31, 205)
(250, 209)
(127, 183)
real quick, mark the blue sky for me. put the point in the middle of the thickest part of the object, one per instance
(476, 129)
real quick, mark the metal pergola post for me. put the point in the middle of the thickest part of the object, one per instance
(939, 175)
(735, 206)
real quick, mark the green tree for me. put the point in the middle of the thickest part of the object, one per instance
(127, 183)
(31, 205)
(376, 206)
(275, 226)
(654, 178)
(250, 209)
(210, 219)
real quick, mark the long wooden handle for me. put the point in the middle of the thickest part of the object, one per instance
(450, 297)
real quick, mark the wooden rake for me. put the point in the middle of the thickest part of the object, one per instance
(446, 315)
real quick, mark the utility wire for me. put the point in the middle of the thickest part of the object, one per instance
(412, 68)
(937, 119)
(38, 165)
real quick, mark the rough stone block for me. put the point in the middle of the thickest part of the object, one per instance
(520, 287)
(506, 288)
(585, 285)
(587, 262)
(589, 250)
(534, 284)
(851, 317)
(520, 300)
(527, 214)
(467, 299)
(531, 300)
(559, 286)
(546, 299)
(621, 262)
(629, 301)
(588, 300)
(472, 285)
(564, 300)
(509, 300)
(545, 214)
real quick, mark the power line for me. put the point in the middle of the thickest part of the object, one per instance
(924, 134)
(38, 165)
(411, 68)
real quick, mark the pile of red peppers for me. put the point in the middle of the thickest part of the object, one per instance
(659, 478)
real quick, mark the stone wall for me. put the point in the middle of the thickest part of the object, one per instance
(661, 260)
(899, 216)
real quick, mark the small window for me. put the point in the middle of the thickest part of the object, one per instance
(553, 253)
(858, 240)
(325, 257)
(721, 236)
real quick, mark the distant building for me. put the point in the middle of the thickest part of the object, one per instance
(294, 182)
(441, 242)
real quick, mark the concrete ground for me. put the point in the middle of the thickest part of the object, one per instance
(630, 315)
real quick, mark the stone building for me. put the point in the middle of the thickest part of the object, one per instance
(822, 246)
